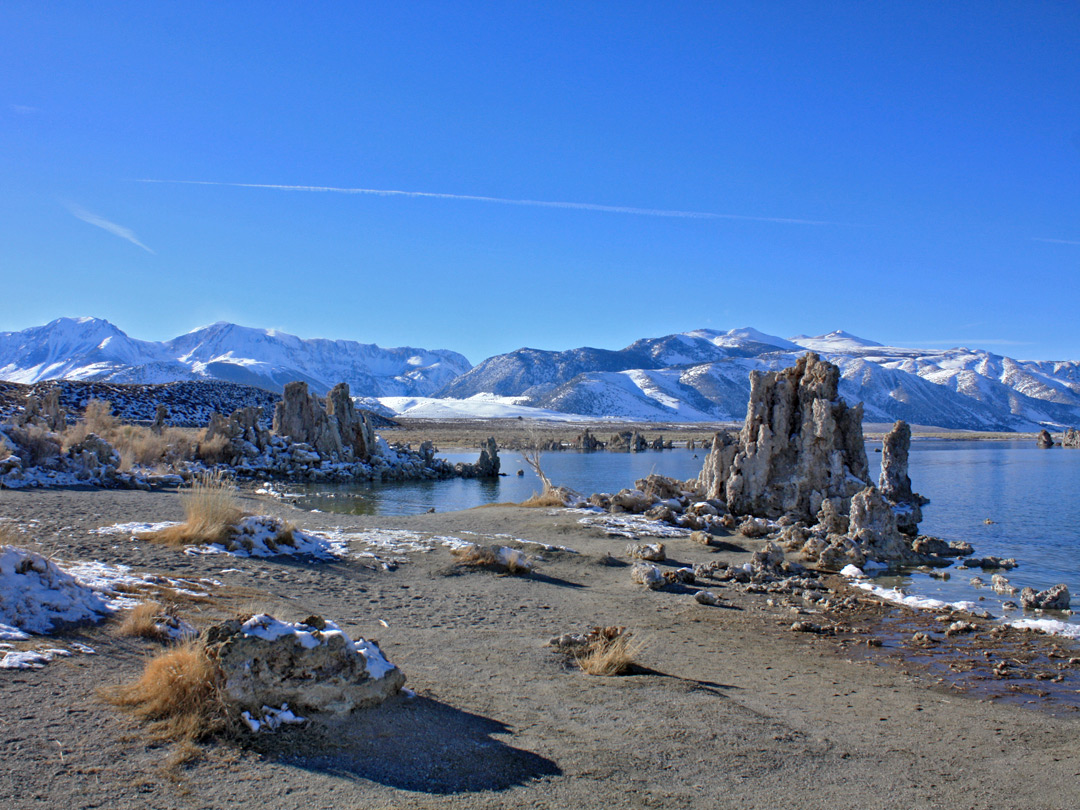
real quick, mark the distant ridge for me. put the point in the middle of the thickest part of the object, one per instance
(94, 349)
(703, 375)
(700, 375)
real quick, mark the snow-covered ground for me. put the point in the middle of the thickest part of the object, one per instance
(480, 406)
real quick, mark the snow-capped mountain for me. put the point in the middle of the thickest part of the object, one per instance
(94, 349)
(703, 375)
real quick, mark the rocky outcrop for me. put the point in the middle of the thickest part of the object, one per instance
(895, 484)
(337, 432)
(587, 442)
(800, 444)
(714, 472)
(1044, 441)
(1071, 438)
(1055, 598)
(355, 432)
(44, 412)
(312, 665)
(872, 526)
(242, 431)
(631, 441)
(161, 414)
(487, 466)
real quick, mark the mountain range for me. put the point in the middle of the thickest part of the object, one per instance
(702, 375)
(94, 349)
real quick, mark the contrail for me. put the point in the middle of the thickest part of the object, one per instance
(610, 209)
(101, 222)
(1056, 241)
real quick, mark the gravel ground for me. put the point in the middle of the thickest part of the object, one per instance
(727, 707)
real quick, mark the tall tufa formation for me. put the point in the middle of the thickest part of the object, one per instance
(895, 484)
(800, 445)
(338, 431)
(1071, 438)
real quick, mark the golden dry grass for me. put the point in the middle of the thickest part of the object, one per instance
(210, 513)
(144, 621)
(136, 444)
(538, 499)
(609, 654)
(180, 695)
(9, 535)
(212, 451)
(488, 557)
(474, 554)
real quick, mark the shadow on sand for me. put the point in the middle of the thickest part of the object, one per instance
(416, 744)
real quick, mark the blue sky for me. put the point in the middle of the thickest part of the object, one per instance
(906, 171)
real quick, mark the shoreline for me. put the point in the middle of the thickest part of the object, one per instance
(729, 707)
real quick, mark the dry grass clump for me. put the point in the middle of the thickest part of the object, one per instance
(212, 451)
(500, 558)
(549, 498)
(9, 535)
(136, 444)
(149, 620)
(38, 443)
(608, 651)
(210, 514)
(180, 694)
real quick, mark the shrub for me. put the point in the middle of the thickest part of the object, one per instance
(212, 451)
(36, 444)
(145, 621)
(210, 513)
(610, 651)
(549, 498)
(180, 694)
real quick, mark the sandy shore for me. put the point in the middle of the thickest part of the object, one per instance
(728, 707)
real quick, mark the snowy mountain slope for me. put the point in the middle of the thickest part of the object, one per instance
(93, 349)
(691, 376)
(532, 372)
(77, 349)
(703, 374)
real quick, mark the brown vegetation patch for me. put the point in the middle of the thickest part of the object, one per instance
(538, 499)
(145, 621)
(211, 513)
(497, 558)
(608, 651)
(180, 695)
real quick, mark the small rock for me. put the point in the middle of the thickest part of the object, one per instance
(648, 575)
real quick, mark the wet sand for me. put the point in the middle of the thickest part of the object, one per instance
(727, 708)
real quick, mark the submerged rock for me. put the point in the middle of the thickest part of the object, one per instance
(1055, 598)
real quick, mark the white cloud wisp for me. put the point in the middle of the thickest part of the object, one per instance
(116, 230)
(611, 209)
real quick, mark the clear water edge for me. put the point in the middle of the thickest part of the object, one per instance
(1031, 497)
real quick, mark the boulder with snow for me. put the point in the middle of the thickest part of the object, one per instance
(311, 665)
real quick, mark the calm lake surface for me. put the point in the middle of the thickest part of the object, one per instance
(1031, 495)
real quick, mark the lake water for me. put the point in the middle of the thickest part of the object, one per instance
(1031, 495)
